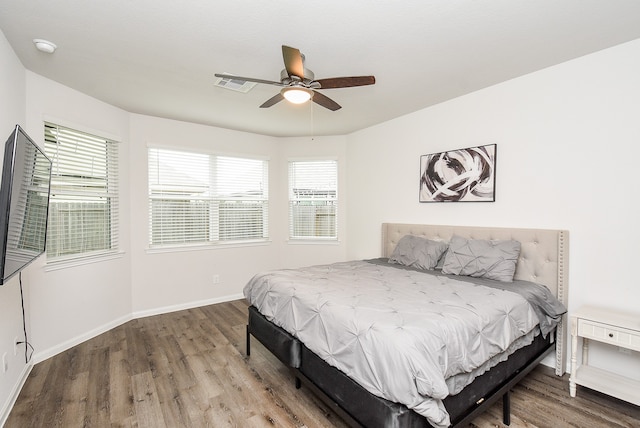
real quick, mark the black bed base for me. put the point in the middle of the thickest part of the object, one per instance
(358, 407)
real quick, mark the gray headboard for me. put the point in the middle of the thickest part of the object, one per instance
(543, 258)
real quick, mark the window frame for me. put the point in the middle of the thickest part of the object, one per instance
(334, 202)
(213, 240)
(111, 192)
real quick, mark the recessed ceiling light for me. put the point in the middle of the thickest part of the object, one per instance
(44, 45)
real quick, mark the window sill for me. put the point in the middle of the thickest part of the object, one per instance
(311, 241)
(201, 247)
(80, 261)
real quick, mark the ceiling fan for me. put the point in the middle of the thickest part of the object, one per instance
(299, 84)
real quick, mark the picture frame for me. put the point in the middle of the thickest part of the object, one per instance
(462, 175)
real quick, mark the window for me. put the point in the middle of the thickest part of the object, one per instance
(313, 199)
(199, 198)
(83, 210)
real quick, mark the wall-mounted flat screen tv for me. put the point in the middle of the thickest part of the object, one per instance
(24, 203)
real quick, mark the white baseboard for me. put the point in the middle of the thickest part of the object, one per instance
(183, 306)
(48, 353)
(13, 396)
(550, 361)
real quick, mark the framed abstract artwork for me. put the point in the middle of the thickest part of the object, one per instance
(463, 175)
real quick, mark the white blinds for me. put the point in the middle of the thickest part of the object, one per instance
(197, 198)
(313, 199)
(83, 210)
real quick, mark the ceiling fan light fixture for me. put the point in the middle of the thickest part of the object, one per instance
(297, 95)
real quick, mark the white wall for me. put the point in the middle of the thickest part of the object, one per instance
(73, 304)
(164, 281)
(568, 142)
(171, 280)
(12, 112)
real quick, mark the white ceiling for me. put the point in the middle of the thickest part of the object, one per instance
(158, 57)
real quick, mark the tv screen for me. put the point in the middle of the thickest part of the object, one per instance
(24, 203)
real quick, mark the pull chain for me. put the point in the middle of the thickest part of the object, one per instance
(312, 124)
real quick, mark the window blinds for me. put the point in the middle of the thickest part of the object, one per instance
(83, 210)
(313, 199)
(199, 198)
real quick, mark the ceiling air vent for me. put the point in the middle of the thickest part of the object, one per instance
(234, 84)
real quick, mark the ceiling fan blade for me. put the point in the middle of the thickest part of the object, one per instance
(273, 100)
(293, 61)
(325, 101)
(248, 79)
(346, 82)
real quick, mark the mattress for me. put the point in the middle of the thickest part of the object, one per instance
(404, 335)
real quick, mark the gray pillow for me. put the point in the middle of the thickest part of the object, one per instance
(421, 253)
(492, 259)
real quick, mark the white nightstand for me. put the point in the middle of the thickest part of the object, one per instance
(616, 328)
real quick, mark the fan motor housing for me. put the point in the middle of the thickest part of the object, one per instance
(308, 75)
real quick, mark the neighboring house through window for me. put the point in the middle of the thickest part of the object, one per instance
(202, 198)
(313, 199)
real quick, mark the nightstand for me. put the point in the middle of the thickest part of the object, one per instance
(620, 329)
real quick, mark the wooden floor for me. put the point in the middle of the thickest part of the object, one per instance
(189, 369)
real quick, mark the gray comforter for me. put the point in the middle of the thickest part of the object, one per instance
(399, 333)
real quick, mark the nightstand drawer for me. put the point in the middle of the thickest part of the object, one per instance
(609, 334)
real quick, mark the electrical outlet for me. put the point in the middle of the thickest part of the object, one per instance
(216, 279)
(15, 345)
(5, 363)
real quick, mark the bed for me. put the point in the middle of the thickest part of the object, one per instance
(367, 352)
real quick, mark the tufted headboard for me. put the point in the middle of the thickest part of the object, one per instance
(544, 258)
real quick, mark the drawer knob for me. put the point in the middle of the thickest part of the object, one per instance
(610, 334)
